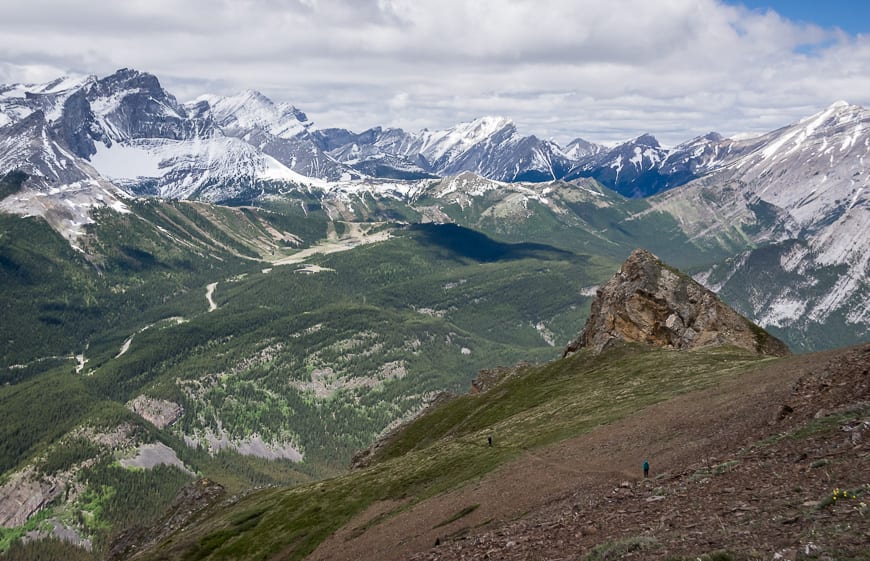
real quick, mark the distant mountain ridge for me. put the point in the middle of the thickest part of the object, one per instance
(128, 121)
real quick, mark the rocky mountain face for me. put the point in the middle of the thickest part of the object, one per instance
(649, 302)
(136, 133)
(801, 196)
(489, 146)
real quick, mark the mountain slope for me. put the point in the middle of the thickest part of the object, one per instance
(803, 189)
(171, 308)
(410, 502)
(517, 414)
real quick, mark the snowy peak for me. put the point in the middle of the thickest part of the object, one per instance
(579, 149)
(836, 120)
(250, 110)
(64, 84)
(642, 153)
(699, 155)
(646, 139)
(131, 108)
(630, 168)
(17, 101)
(489, 146)
(815, 171)
(130, 104)
(130, 80)
(453, 141)
(30, 146)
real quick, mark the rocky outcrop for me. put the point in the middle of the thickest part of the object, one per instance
(159, 412)
(649, 302)
(25, 493)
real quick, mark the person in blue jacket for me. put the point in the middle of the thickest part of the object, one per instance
(645, 469)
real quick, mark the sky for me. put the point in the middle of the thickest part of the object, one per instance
(602, 70)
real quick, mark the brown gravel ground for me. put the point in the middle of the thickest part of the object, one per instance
(725, 476)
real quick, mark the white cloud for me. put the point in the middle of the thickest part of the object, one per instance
(559, 68)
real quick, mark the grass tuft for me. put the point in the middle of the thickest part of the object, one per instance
(617, 549)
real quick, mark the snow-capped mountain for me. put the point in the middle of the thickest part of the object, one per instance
(806, 187)
(631, 168)
(132, 105)
(492, 147)
(376, 152)
(278, 130)
(135, 133)
(129, 112)
(250, 110)
(489, 146)
(61, 187)
(580, 149)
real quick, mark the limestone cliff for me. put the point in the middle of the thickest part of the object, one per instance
(649, 302)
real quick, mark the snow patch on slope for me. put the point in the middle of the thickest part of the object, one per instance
(66, 208)
(251, 110)
(460, 138)
(184, 166)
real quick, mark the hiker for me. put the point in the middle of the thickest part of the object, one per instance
(645, 469)
(489, 440)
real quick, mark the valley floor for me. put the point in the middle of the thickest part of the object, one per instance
(749, 466)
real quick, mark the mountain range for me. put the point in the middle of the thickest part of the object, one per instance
(221, 288)
(136, 133)
(795, 198)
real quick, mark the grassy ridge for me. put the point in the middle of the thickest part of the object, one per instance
(446, 448)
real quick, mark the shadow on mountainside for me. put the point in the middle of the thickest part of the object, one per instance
(469, 244)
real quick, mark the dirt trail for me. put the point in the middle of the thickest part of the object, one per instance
(578, 475)
(209, 293)
(127, 342)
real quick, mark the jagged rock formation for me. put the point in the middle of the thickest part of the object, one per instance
(24, 494)
(649, 302)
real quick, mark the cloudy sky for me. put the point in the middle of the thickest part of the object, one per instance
(603, 70)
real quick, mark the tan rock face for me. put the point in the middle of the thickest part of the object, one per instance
(24, 494)
(648, 302)
(158, 412)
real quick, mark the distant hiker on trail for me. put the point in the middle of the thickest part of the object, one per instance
(489, 440)
(645, 469)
